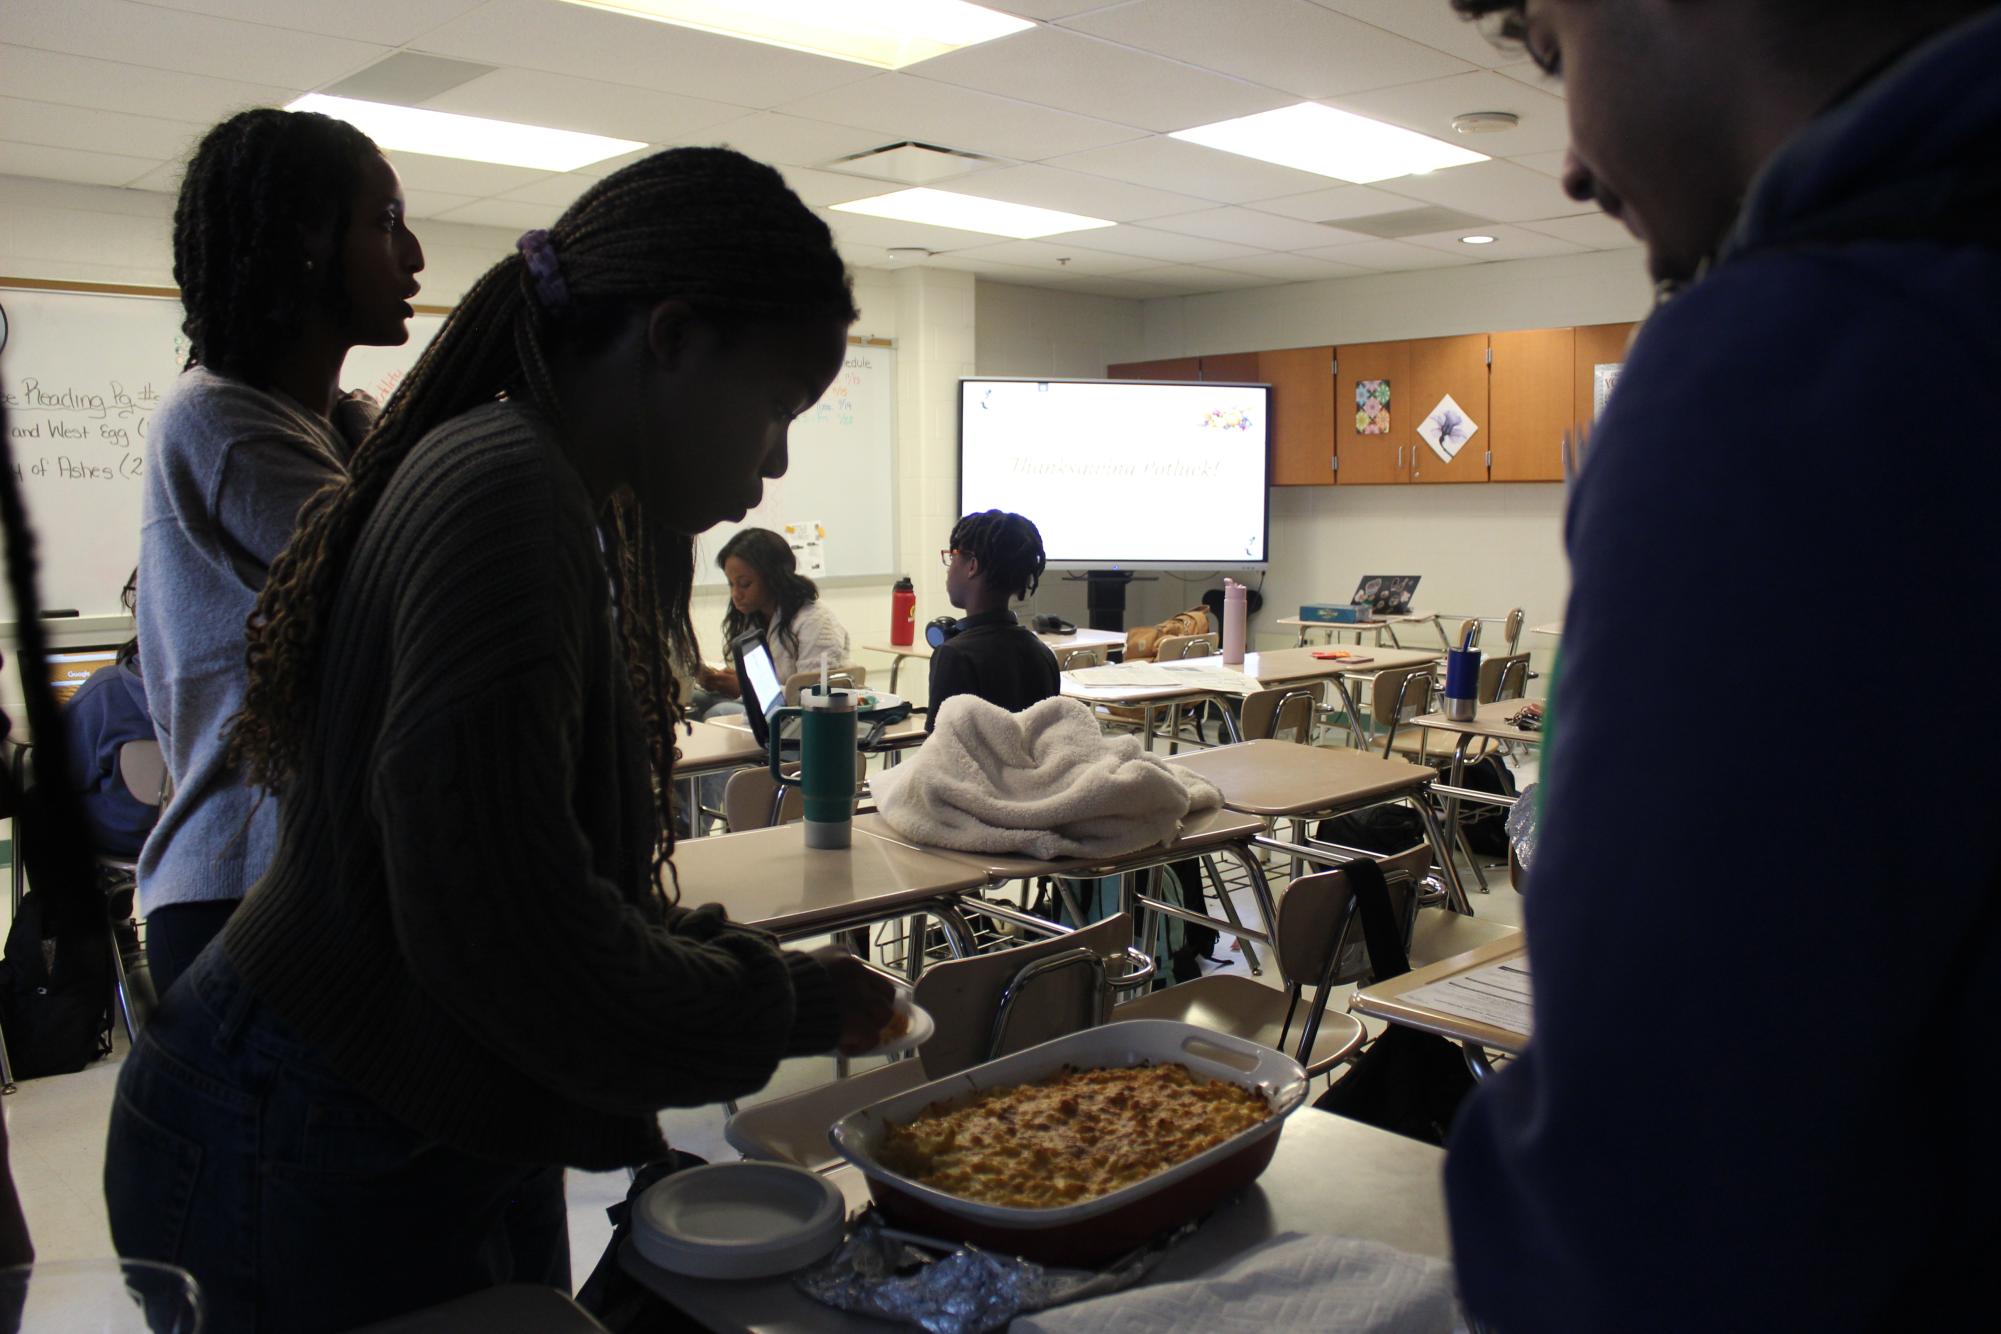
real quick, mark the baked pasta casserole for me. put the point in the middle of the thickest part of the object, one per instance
(1074, 1137)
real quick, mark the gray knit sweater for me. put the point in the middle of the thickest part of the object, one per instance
(460, 916)
(227, 469)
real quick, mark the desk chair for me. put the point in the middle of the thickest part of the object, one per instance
(143, 770)
(986, 1006)
(1280, 713)
(1395, 697)
(1176, 647)
(752, 798)
(1504, 677)
(847, 677)
(1070, 659)
(1314, 915)
(1511, 625)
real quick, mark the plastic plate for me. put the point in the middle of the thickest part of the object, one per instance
(738, 1220)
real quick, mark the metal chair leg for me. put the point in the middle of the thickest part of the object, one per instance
(1230, 911)
(121, 995)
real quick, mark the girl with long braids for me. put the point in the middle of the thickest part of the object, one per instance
(768, 593)
(289, 248)
(468, 965)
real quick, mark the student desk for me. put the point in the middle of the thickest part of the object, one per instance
(1079, 638)
(711, 747)
(1386, 625)
(1386, 1000)
(1281, 666)
(1147, 698)
(1554, 628)
(1282, 780)
(1329, 1175)
(770, 879)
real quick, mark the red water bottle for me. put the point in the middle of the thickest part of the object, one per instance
(903, 613)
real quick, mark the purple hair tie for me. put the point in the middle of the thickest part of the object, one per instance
(540, 253)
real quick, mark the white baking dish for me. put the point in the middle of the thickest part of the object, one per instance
(1098, 1229)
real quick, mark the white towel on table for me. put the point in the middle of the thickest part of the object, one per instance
(1043, 783)
(1292, 1282)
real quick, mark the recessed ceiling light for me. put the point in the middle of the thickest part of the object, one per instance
(1477, 240)
(969, 213)
(1485, 122)
(1332, 143)
(910, 254)
(473, 138)
(888, 34)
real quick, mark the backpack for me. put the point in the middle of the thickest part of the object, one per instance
(56, 1017)
(1486, 826)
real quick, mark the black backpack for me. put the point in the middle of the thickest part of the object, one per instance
(1486, 826)
(55, 1014)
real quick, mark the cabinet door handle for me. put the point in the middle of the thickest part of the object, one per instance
(1399, 457)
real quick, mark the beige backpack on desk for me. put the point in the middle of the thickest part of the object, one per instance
(1141, 641)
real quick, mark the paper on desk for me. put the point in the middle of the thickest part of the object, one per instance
(1123, 674)
(1219, 679)
(1496, 995)
(1292, 1282)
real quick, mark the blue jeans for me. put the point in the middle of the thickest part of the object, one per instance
(236, 1153)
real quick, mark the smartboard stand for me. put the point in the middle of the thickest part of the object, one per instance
(1105, 596)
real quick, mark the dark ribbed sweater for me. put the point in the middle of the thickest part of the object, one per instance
(459, 916)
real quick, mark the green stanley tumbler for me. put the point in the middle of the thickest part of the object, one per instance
(826, 776)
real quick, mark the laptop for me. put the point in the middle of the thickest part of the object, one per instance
(1387, 594)
(763, 692)
(68, 670)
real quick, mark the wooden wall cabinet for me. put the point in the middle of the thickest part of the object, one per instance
(1441, 366)
(1373, 460)
(1303, 411)
(1531, 400)
(1597, 345)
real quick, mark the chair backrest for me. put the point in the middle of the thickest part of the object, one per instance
(964, 996)
(1070, 659)
(143, 770)
(849, 677)
(1513, 627)
(1282, 711)
(1505, 677)
(1176, 647)
(1404, 873)
(1399, 694)
(748, 796)
(1471, 625)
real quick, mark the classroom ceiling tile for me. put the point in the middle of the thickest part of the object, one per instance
(1435, 25)
(903, 106)
(1292, 45)
(1185, 168)
(1058, 258)
(1530, 73)
(1343, 201)
(1162, 247)
(432, 203)
(1429, 107)
(191, 43)
(968, 261)
(1048, 10)
(1392, 256)
(1503, 191)
(862, 230)
(82, 81)
(597, 171)
(1247, 227)
(421, 171)
(559, 188)
(1549, 164)
(1295, 268)
(1509, 243)
(597, 44)
(822, 188)
(771, 136)
(166, 179)
(1044, 186)
(390, 22)
(1081, 74)
(96, 131)
(72, 164)
(510, 214)
(591, 106)
(1595, 230)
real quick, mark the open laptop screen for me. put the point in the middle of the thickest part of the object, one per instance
(757, 675)
(71, 668)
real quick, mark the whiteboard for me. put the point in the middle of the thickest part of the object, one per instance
(837, 499)
(82, 373)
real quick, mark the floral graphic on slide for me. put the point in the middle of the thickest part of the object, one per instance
(1372, 407)
(1228, 419)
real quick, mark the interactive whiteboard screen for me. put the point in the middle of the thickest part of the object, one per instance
(1122, 474)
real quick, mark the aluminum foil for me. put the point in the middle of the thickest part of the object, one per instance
(1521, 825)
(877, 1272)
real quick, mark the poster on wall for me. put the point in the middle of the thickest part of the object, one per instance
(1372, 407)
(1603, 376)
(809, 547)
(1447, 429)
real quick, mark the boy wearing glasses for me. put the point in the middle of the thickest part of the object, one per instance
(994, 557)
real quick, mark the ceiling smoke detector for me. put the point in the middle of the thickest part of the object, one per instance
(1485, 122)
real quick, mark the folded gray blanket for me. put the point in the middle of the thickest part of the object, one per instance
(1042, 783)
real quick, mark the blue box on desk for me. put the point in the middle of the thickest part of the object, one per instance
(1333, 613)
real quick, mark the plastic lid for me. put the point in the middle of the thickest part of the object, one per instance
(904, 585)
(738, 1220)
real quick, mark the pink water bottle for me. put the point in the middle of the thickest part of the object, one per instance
(1233, 622)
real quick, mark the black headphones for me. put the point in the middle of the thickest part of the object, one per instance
(940, 630)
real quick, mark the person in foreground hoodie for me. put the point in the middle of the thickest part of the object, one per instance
(1766, 977)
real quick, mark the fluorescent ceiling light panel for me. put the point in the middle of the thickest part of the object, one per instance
(472, 138)
(969, 213)
(1333, 143)
(887, 34)
(1476, 240)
